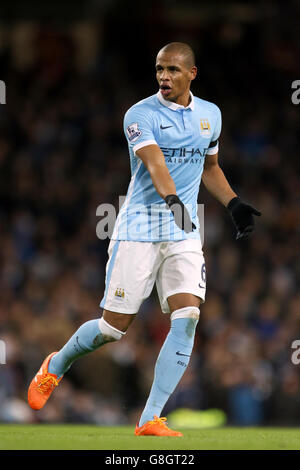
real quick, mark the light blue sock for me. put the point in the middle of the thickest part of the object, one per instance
(86, 339)
(171, 363)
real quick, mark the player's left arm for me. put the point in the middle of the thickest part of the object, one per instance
(217, 184)
(215, 181)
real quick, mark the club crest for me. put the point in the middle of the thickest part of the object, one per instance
(205, 129)
(120, 293)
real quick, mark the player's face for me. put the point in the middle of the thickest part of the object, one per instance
(174, 77)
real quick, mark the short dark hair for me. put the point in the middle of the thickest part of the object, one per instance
(183, 49)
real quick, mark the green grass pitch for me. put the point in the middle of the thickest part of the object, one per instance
(85, 437)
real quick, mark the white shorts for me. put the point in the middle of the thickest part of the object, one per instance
(133, 268)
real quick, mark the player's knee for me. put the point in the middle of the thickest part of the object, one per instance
(110, 332)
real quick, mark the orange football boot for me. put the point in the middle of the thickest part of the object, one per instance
(42, 385)
(156, 427)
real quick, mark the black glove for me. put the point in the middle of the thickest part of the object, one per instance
(180, 213)
(242, 216)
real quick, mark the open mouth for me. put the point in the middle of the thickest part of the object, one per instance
(165, 90)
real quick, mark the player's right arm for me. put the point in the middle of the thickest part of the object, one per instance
(141, 138)
(139, 132)
(154, 161)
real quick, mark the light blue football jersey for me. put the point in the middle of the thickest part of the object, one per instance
(185, 135)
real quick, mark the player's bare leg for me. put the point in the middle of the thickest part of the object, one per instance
(121, 321)
(183, 300)
(171, 363)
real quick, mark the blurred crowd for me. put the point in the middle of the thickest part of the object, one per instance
(63, 153)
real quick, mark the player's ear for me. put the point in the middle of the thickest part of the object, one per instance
(193, 72)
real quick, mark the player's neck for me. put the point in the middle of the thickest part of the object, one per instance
(185, 99)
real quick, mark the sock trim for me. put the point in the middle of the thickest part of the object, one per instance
(186, 312)
(109, 330)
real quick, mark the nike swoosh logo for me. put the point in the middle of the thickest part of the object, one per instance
(180, 354)
(201, 287)
(165, 127)
(79, 343)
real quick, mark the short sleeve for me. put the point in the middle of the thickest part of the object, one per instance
(214, 143)
(138, 128)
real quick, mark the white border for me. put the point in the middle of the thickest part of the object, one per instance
(140, 145)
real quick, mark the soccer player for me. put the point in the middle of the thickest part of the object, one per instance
(173, 143)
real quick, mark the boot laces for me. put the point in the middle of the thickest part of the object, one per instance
(47, 384)
(159, 421)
